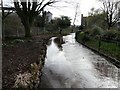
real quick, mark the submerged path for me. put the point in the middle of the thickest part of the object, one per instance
(77, 67)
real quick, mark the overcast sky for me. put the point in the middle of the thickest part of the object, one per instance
(69, 8)
(84, 8)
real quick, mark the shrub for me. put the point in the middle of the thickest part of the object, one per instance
(84, 37)
(112, 35)
(96, 31)
(87, 32)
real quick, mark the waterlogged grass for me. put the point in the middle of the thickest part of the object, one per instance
(109, 48)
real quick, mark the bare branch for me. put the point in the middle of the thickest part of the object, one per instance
(39, 5)
(47, 4)
(111, 11)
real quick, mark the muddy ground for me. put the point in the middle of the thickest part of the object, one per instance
(18, 54)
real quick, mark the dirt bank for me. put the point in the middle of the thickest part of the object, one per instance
(17, 55)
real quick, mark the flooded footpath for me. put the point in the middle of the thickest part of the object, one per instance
(75, 66)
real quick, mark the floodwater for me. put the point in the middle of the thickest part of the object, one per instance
(77, 67)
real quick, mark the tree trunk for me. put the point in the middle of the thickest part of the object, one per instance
(27, 31)
(60, 31)
(27, 25)
(108, 27)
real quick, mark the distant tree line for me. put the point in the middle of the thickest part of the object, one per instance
(31, 13)
(105, 17)
(102, 23)
(56, 24)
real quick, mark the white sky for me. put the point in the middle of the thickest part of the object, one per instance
(68, 9)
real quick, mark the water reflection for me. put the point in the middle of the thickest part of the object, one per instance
(104, 67)
(77, 67)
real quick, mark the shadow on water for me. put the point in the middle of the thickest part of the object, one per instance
(59, 41)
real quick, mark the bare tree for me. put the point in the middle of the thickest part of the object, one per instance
(76, 14)
(118, 8)
(111, 12)
(6, 10)
(28, 10)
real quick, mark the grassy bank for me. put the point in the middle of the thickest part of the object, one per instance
(109, 48)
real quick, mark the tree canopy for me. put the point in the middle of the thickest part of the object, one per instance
(63, 22)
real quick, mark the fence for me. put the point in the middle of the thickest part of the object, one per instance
(13, 31)
(19, 31)
(110, 48)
